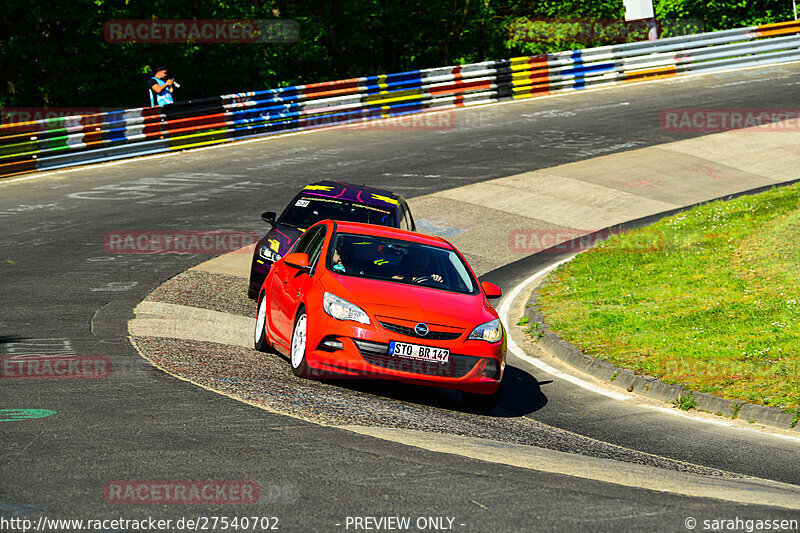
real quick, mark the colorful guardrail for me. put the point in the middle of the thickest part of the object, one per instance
(77, 140)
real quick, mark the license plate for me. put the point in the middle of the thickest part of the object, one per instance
(415, 351)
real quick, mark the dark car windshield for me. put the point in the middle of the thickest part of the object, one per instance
(306, 211)
(400, 261)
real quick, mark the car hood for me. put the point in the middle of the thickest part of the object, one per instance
(409, 302)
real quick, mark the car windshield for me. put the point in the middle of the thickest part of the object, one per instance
(306, 211)
(400, 261)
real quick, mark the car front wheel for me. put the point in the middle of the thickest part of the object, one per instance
(260, 337)
(298, 353)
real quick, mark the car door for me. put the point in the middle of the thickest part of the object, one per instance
(289, 283)
(275, 323)
(297, 285)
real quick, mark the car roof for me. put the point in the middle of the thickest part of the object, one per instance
(391, 233)
(353, 193)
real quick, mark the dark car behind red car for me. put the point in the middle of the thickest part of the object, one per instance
(320, 201)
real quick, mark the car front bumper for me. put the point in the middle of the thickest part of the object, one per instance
(349, 349)
(259, 270)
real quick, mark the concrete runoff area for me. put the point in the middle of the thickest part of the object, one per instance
(158, 319)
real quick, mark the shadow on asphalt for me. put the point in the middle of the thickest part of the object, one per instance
(521, 394)
(10, 339)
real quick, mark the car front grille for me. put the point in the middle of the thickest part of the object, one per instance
(432, 335)
(376, 353)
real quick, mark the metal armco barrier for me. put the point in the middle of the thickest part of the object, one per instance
(68, 141)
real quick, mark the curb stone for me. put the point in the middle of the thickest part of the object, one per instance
(649, 386)
(765, 415)
(715, 404)
(664, 391)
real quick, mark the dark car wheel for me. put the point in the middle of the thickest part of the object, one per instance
(481, 402)
(298, 352)
(253, 285)
(260, 341)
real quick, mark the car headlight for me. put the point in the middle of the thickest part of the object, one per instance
(267, 254)
(341, 309)
(489, 332)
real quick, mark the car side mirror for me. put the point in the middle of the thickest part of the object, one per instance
(297, 260)
(269, 217)
(491, 290)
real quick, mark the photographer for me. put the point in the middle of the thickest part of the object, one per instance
(160, 87)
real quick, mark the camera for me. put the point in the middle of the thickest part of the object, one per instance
(175, 83)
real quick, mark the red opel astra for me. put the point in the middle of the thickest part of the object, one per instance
(358, 300)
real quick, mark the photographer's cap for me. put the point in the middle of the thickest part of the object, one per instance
(159, 69)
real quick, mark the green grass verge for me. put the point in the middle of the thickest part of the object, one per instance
(709, 297)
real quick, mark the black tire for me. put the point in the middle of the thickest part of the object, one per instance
(298, 348)
(254, 284)
(260, 341)
(481, 402)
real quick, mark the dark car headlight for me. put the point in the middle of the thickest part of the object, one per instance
(268, 254)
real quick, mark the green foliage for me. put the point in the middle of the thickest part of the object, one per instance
(571, 25)
(686, 402)
(534, 329)
(723, 15)
(57, 56)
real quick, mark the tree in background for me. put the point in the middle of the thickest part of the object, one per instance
(59, 57)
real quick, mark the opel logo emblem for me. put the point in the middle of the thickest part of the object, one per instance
(421, 329)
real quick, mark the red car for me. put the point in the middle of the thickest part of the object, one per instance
(358, 300)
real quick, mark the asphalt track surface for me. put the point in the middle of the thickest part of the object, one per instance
(62, 293)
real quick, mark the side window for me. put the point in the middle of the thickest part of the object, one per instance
(315, 245)
(303, 244)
